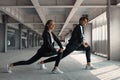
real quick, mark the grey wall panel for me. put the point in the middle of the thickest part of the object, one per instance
(100, 46)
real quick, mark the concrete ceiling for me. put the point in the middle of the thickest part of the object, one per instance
(65, 13)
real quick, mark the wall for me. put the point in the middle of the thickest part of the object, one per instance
(99, 34)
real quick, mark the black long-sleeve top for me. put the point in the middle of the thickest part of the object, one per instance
(47, 42)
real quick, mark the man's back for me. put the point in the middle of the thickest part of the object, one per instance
(76, 36)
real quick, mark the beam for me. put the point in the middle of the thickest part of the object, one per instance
(74, 9)
(18, 6)
(82, 6)
(93, 6)
(35, 23)
(39, 10)
(58, 6)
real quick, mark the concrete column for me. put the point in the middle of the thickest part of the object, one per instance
(20, 36)
(113, 19)
(37, 40)
(17, 39)
(115, 33)
(108, 27)
(1, 38)
(28, 38)
(33, 39)
(5, 20)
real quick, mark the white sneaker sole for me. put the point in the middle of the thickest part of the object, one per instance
(8, 69)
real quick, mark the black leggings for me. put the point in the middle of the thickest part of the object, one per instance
(40, 53)
(69, 49)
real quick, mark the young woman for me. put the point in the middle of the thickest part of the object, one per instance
(46, 50)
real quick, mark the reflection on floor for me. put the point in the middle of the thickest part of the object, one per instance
(106, 70)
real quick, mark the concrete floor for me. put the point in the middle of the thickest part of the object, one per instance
(73, 67)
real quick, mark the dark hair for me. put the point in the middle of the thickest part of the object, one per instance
(83, 18)
(46, 25)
